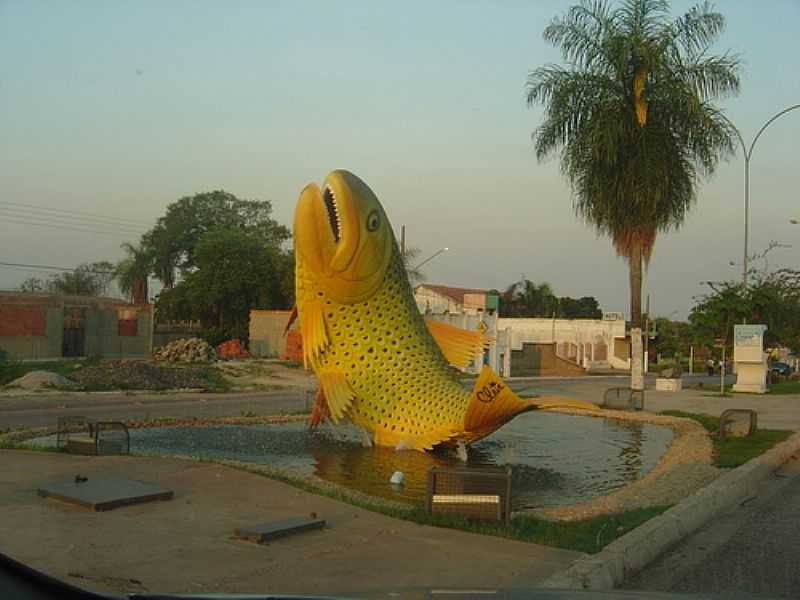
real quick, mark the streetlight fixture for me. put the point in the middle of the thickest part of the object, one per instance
(748, 153)
(431, 257)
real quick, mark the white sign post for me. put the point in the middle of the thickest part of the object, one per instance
(750, 359)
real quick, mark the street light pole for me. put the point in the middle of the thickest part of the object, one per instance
(431, 257)
(748, 153)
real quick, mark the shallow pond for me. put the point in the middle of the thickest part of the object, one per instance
(557, 459)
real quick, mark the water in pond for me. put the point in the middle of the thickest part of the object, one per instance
(556, 459)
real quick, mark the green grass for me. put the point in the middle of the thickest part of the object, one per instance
(733, 452)
(784, 387)
(13, 369)
(587, 535)
(290, 364)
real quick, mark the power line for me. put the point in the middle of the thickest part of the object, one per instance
(61, 226)
(72, 212)
(25, 213)
(49, 268)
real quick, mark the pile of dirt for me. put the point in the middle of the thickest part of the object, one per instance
(42, 379)
(140, 375)
(232, 349)
(186, 350)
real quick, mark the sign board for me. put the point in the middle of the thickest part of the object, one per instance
(748, 343)
(613, 316)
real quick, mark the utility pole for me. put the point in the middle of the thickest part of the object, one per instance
(402, 240)
(647, 335)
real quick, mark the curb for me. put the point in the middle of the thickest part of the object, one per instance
(635, 550)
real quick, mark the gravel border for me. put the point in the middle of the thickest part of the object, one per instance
(684, 468)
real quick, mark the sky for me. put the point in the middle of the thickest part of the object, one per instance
(111, 110)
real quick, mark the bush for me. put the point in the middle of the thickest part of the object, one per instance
(10, 369)
(216, 335)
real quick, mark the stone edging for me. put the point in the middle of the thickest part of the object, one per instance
(636, 549)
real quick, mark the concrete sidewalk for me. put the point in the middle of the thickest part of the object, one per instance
(185, 546)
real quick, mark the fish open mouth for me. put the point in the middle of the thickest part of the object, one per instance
(333, 212)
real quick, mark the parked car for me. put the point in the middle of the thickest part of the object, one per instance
(780, 368)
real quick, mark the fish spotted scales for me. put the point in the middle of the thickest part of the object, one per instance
(379, 362)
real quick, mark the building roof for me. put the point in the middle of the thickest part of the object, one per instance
(454, 293)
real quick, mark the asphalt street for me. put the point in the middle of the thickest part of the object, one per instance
(753, 549)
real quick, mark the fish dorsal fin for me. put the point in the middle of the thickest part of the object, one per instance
(338, 393)
(459, 346)
(313, 331)
(491, 404)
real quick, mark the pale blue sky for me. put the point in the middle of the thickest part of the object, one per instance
(119, 108)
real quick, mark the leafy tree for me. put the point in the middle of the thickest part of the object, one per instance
(586, 307)
(33, 285)
(89, 279)
(672, 337)
(632, 119)
(132, 273)
(234, 272)
(173, 241)
(772, 299)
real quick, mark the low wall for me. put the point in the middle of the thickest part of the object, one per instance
(536, 360)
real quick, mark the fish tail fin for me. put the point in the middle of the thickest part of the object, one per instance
(492, 403)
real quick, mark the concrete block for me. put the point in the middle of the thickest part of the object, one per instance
(104, 494)
(668, 385)
(266, 532)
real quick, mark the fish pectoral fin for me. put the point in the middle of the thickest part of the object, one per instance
(459, 346)
(320, 411)
(557, 402)
(337, 391)
(313, 331)
(491, 404)
(290, 322)
(400, 440)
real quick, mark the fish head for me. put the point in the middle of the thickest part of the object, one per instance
(342, 235)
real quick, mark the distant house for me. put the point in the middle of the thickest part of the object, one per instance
(41, 326)
(444, 299)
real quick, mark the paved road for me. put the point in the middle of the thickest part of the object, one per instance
(43, 411)
(754, 548)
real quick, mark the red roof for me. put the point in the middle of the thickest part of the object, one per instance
(454, 293)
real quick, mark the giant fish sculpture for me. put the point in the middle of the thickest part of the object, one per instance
(380, 364)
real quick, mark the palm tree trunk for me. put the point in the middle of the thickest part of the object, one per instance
(637, 351)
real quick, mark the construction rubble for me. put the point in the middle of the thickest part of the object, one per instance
(188, 350)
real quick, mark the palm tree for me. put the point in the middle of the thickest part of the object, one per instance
(410, 257)
(524, 298)
(133, 271)
(632, 118)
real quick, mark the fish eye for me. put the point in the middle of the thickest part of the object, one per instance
(373, 221)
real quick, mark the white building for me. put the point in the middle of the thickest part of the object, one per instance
(587, 343)
(534, 346)
(444, 299)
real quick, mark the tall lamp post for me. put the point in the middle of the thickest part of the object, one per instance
(431, 257)
(748, 153)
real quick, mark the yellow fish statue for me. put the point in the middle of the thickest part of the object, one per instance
(380, 364)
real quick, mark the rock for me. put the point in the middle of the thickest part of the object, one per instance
(141, 375)
(672, 372)
(39, 379)
(186, 350)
